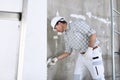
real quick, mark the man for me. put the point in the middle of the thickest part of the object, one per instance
(82, 39)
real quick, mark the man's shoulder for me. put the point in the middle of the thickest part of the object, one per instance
(77, 21)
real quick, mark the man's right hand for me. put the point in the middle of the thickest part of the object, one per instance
(52, 61)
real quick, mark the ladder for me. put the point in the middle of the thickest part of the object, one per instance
(112, 10)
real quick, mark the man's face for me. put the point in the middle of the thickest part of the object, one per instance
(60, 27)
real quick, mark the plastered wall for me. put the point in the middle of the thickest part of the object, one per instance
(97, 14)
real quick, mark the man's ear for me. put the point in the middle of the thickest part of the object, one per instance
(59, 22)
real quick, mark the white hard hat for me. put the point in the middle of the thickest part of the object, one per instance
(55, 20)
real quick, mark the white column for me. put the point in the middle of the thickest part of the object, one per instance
(34, 67)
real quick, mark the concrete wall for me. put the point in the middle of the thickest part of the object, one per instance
(97, 14)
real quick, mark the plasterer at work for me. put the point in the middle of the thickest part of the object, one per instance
(81, 38)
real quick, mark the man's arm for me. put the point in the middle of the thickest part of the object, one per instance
(88, 53)
(92, 39)
(55, 59)
(63, 55)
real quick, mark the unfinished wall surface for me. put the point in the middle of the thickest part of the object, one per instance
(97, 14)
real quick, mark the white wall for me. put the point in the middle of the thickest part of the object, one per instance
(9, 43)
(11, 5)
(35, 45)
(9, 38)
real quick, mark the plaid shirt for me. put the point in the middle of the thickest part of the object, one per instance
(77, 36)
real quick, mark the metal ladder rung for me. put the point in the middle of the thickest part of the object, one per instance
(116, 11)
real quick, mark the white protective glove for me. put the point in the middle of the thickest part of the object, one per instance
(52, 61)
(88, 53)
